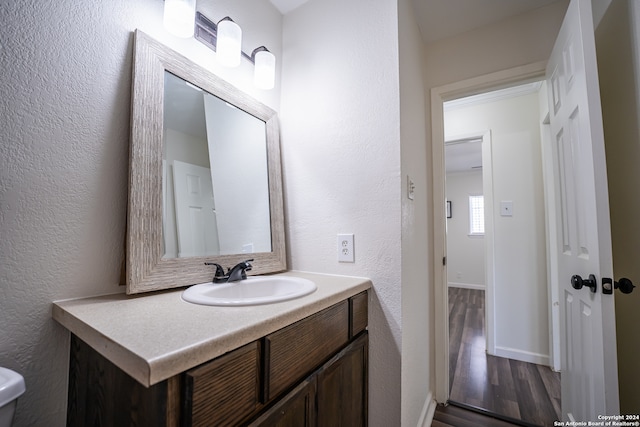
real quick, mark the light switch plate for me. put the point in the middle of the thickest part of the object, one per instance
(506, 208)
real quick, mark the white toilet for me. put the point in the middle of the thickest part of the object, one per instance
(11, 387)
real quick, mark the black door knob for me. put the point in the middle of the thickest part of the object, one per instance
(578, 282)
(625, 285)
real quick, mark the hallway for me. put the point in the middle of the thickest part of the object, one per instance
(508, 387)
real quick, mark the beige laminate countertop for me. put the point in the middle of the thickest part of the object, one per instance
(153, 337)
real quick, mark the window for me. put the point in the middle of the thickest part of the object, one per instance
(476, 215)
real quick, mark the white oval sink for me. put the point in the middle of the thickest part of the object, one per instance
(251, 291)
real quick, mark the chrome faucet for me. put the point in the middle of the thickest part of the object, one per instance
(238, 272)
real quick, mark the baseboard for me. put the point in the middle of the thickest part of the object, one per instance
(523, 356)
(428, 411)
(466, 286)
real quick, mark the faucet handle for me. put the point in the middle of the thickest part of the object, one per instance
(219, 274)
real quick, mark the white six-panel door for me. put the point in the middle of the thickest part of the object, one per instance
(195, 211)
(588, 336)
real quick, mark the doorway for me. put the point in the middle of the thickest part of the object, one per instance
(499, 357)
(504, 79)
(588, 343)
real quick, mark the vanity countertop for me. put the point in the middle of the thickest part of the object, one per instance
(155, 336)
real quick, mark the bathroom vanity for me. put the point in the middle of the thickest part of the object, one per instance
(157, 360)
(150, 358)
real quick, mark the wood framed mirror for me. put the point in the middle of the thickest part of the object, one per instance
(235, 175)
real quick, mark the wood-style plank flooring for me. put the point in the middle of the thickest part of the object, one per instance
(453, 416)
(515, 389)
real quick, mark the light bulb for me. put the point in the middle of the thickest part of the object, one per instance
(179, 17)
(264, 73)
(229, 43)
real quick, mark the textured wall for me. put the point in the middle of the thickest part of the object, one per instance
(417, 268)
(64, 135)
(341, 154)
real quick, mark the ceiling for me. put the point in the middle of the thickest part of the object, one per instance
(184, 107)
(285, 6)
(463, 156)
(439, 19)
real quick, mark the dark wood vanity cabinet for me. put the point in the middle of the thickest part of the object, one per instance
(310, 373)
(334, 395)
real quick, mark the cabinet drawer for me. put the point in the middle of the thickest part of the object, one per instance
(358, 305)
(295, 351)
(224, 391)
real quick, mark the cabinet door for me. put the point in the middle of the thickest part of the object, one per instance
(342, 387)
(225, 391)
(296, 409)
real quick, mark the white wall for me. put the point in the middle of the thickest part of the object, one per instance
(341, 159)
(618, 50)
(417, 289)
(520, 272)
(465, 253)
(64, 138)
(238, 159)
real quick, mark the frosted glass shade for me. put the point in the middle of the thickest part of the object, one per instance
(264, 73)
(229, 43)
(179, 17)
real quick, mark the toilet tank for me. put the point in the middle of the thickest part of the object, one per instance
(11, 387)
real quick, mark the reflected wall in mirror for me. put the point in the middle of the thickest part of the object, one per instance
(204, 177)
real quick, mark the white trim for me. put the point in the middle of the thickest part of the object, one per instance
(522, 355)
(466, 286)
(551, 230)
(428, 411)
(492, 96)
(440, 94)
(489, 242)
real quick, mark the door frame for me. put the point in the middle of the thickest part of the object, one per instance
(497, 80)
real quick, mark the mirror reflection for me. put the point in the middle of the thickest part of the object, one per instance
(215, 185)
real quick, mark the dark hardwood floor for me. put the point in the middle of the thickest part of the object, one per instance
(515, 389)
(453, 416)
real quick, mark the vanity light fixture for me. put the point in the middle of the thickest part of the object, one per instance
(228, 42)
(215, 37)
(264, 73)
(179, 16)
